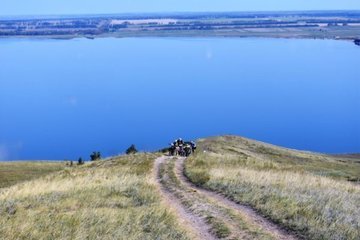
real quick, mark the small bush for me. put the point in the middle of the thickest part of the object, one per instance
(95, 156)
(131, 150)
(80, 161)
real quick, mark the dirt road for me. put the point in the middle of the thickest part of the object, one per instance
(206, 214)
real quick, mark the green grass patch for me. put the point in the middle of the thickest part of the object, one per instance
(15, 172)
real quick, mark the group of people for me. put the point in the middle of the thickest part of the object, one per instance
(181, 148)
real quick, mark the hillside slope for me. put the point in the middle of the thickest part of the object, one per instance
(211, 215)
(307, 193)
(231, 188)
(15, 172)
(112, 199)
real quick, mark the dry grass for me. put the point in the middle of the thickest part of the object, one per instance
(223, 222)
(303, 191)
(112, 199)
(15, 172)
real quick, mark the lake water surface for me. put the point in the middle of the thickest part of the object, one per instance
(64, 99)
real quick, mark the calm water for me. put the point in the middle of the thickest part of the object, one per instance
(65, 99)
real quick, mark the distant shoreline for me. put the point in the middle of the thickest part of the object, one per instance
(172, 35)
(175, 35)
(337, 25)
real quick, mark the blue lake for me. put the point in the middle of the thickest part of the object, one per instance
(64, 99)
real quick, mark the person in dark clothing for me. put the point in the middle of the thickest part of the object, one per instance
(193, 146)
(180, 142)
(172, 149)
(188, 149)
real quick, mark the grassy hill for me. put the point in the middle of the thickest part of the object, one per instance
(15, 172)
(112, 199)
(306, 192)
(315, 196)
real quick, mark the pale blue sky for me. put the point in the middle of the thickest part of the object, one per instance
(35, 7)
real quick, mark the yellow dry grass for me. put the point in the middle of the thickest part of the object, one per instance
(15, 172)
(112, 199)
(296, 189)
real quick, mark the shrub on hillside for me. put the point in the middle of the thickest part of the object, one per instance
(80, 161)
(131, 150)
(95, 156)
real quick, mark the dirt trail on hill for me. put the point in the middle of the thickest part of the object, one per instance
(247, 211)
(193, 224)
(195, 206)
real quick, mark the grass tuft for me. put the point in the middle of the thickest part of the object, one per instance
(219, 228)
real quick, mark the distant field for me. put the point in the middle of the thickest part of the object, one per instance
(15, 172)
(315, 195)
(330, 25)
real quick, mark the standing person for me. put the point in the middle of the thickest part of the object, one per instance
(181, 147)
(175, 148)
(181, 150)
(188, 149)
(172, 149)
(193, 146)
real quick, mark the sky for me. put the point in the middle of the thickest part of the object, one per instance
(50, 7)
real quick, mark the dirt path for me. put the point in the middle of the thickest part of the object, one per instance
(209, 215)
(247, 211)
(193, 224)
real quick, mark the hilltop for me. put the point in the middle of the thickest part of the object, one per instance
(231, 188)
(341, 166)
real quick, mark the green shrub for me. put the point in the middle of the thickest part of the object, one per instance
(80, 161)
(131, 150)
(95, 156)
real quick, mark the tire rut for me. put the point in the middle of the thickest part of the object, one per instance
(194, 225)
(206, 214)
(246, 211)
